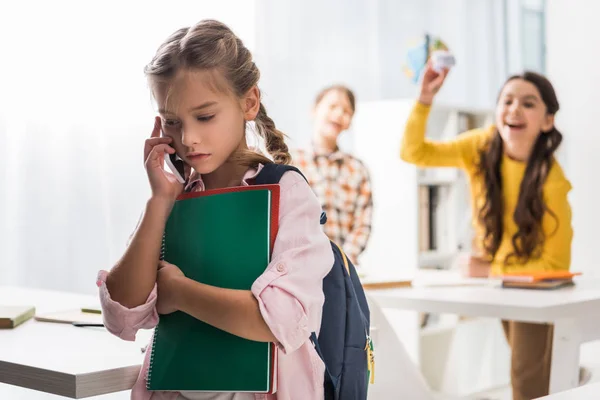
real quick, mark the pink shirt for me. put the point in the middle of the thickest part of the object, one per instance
(289, 294)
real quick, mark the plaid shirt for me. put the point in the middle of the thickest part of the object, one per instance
(342, 184)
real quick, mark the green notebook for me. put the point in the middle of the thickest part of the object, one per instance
(221, 238)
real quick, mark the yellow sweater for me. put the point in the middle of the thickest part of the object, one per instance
(463, 152)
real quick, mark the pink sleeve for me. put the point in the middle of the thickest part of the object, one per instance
(290, 292)
(122, 321)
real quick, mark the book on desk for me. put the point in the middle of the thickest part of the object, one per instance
(13, 316)
(81, 315)
(544, 280)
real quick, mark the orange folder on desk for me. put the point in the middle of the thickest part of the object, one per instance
(539, 280)
(539, 276)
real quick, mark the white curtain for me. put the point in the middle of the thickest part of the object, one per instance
(74, 112)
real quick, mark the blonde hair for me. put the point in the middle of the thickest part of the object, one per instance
(211, 45)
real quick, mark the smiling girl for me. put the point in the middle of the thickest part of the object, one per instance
(521, 215)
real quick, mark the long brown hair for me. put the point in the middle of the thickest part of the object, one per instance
(210, 45)
(530, 209)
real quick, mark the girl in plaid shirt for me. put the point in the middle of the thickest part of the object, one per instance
(340, 180)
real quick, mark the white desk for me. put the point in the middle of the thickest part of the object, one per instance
(590, 391)
(575, 313)
(62, 359)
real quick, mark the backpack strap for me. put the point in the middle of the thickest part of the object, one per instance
(343, 257)
(271, 173)
(331, 382)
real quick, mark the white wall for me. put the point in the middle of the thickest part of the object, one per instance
(573, 40)
(304, 46)
(74, 112)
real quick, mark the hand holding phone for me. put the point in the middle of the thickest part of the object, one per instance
(158, 149)
(176, 165)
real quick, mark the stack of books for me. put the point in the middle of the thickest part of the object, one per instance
(539, 280)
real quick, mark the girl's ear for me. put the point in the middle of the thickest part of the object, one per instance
(548, 123)
(251, 103)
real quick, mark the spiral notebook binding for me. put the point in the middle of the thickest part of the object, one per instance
(148, 377)
(151, 361)
(162, 249)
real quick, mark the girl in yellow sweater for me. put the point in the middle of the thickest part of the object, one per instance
(521, 214)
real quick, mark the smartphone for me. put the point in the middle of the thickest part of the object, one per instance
(176, 165)
(442, 59)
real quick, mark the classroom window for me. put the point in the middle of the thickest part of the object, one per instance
(533, 43)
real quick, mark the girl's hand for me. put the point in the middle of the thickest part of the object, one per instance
(477, 268)
(431, 83)
(167, 283)
(164, 185)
